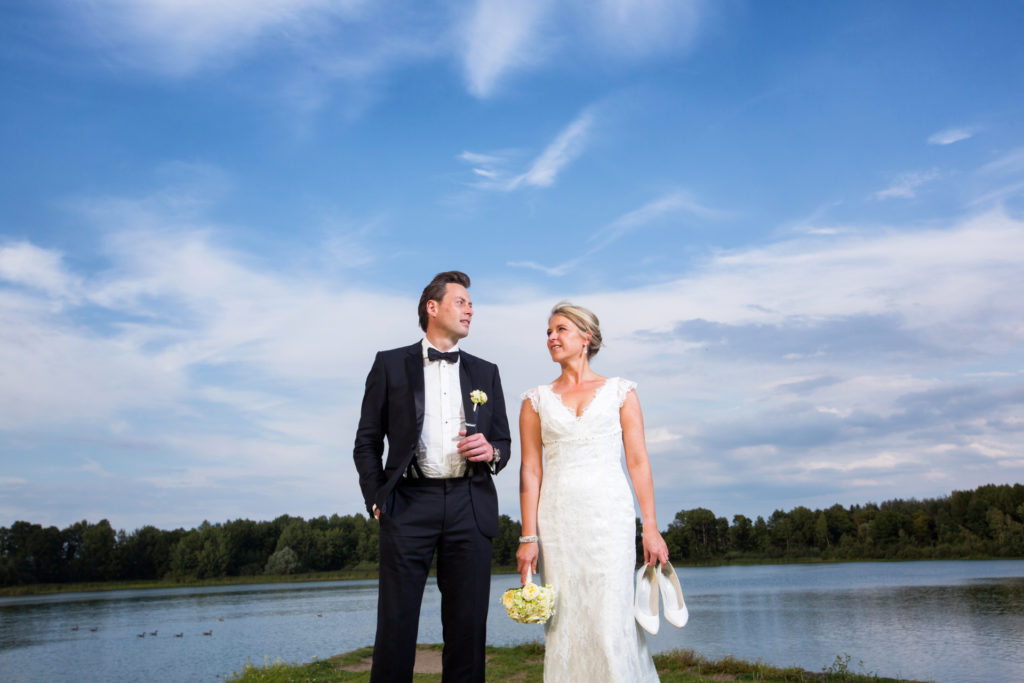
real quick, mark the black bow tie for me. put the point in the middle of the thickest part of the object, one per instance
(450, 356)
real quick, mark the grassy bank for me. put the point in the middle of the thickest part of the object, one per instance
(524, 663)
(360, 572)
(364, 571)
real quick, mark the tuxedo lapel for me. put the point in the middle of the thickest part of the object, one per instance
(466, 385)
(414, 373)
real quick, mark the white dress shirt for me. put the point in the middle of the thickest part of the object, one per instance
(443, 417)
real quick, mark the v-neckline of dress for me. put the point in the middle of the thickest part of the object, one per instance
(583, 412)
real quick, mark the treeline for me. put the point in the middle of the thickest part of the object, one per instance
(84, 552)
(986, 522)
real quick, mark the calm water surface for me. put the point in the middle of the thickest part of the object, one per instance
(939, 621)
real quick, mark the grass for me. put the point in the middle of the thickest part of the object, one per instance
(365, 571)
(525, 664)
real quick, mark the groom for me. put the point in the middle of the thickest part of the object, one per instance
(434, 492)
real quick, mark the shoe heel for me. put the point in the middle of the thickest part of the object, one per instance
(672, 595)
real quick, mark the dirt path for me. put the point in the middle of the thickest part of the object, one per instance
(428, 661)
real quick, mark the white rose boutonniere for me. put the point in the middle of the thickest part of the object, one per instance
(478, 398)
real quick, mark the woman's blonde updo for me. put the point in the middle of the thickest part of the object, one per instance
(585, 320)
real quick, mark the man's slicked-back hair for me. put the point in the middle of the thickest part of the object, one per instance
(436, 289)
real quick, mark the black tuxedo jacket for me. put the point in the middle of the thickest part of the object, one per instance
(393, 408)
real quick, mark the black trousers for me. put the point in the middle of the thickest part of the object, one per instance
(428, 516)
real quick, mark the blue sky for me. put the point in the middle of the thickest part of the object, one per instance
(801, 224)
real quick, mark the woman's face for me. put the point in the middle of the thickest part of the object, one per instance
(565, 341)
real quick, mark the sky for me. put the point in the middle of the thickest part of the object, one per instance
(801, 225)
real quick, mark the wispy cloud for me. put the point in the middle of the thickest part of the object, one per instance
(543, 171)
(180, 37)
(325, 52)
(323, 42)
(1011, 162)
(999, 195)
(906, 185)
(569, 144)
(23, 263)
(474, 158)
(500, 36)
(1002, 179)
(673, 202)
(554, 271)
(678, 201)
(950, 135)
(639, 29)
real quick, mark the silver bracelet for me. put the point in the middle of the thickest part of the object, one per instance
(528, 539)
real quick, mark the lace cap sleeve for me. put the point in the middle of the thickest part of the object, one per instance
(533, 396)
(622, 389)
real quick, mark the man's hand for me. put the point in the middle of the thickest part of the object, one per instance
(475, 447)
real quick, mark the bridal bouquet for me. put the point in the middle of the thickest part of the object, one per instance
(530, 604)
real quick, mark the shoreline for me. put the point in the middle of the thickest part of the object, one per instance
(364, 573)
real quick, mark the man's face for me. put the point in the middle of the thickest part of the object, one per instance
(451, 316)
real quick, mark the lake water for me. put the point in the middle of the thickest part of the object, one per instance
(938, 621)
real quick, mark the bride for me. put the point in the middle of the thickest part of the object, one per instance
(577, 509)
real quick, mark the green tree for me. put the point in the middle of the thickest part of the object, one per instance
(506, 543)
(822, 538)
(213, 557)
(923, 528)
(677, 537)
(368, 541)
(94, 558)
(284, 561)
(693, 534)
(885, 528)
(741, 534)
(839, 522)
(308, 543)
(34, 554)
(760, 536)
(801, 529)
(780, 532)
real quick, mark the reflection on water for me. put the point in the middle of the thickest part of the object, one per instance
(942, 621)
(295, 622)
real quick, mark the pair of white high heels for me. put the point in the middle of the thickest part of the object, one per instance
(645, 602)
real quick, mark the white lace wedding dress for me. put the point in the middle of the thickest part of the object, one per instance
(587, 528)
